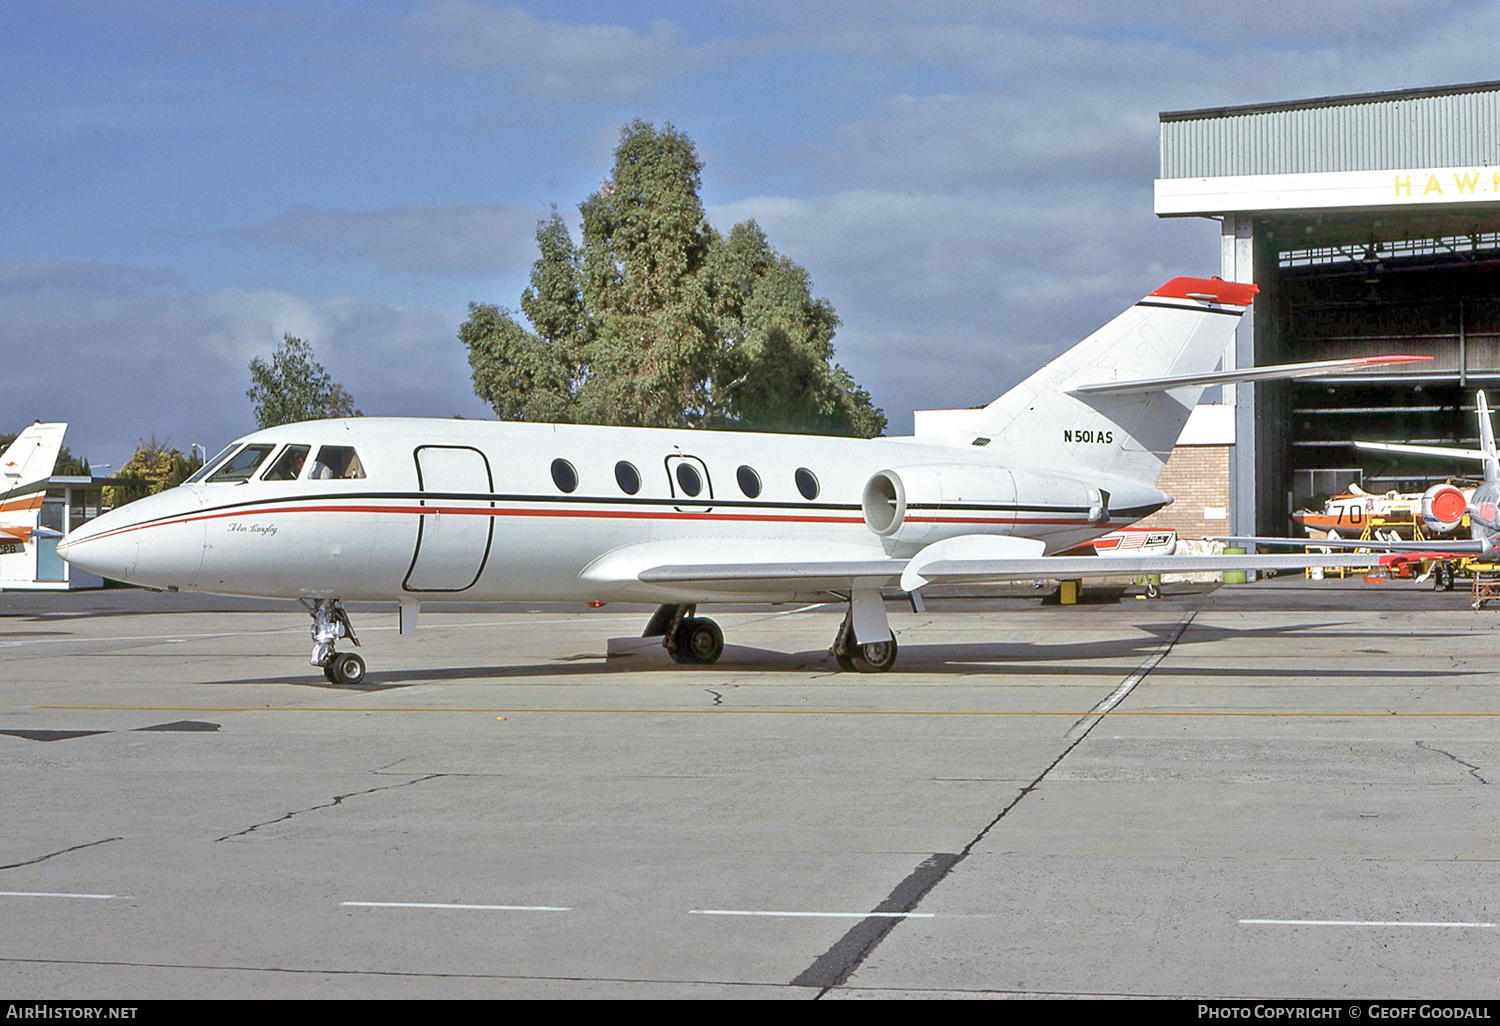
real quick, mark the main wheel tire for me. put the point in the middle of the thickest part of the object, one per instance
(346, 669)
(704, 640)
(699, 641)
(876, 657)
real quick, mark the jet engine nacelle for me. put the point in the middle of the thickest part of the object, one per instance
(1443, 509)
(910, 507)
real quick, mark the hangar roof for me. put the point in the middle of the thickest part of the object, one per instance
(1438, 127)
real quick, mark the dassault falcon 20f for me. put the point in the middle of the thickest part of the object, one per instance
(411, 510)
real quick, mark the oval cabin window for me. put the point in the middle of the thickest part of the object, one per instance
(627, 477)
(564, 476)
(689, 480)
(749, 482)
(807, 483)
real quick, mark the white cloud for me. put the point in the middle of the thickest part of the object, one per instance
(118, 356)
(553, 59)
(462, 239)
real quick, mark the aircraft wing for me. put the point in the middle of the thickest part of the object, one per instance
(952, 571)
(743, 567)
(792, 573)
(1452, 547)
(969, 559)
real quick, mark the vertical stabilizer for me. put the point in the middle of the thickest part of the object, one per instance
(1487, 439)
(25, 467)
(1181, 329)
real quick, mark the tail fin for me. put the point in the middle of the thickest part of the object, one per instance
(1487, 440)
(1117, 401)
(1179, 331)
(25, 467)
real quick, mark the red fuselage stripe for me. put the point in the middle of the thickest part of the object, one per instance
(500, 511)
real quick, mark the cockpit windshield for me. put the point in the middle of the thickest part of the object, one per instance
(241, 465)
(212, 465)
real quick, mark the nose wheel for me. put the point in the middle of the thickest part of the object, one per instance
(345, 668)
(331, 622)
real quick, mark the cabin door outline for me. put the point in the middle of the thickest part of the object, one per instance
(453, 542)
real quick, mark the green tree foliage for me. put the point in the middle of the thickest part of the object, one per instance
(294, 386)
(658, 319)
(153, 467)
(67, 463)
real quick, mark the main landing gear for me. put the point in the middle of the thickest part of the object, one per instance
(865, 619)
(331, 622)
(688, 639)
(864, 641)
(1442, 576)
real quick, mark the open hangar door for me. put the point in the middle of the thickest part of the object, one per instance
(1370, 222)
(1366, 286)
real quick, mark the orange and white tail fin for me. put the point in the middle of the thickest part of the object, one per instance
(25, 467)
(1117, 401)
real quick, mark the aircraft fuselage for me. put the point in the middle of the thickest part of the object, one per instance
(494, 510)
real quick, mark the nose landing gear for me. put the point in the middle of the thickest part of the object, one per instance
(331, 622)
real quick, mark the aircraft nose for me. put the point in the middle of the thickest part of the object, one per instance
(106, 546)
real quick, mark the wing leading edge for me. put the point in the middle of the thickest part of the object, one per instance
(916, 573)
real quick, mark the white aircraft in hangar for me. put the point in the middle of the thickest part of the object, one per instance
(404, 510)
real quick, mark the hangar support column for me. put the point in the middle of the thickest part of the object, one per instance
(1238, 264)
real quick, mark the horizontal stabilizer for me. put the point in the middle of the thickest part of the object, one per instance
(1278, 372)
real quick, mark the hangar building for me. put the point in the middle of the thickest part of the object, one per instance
(1371, 224)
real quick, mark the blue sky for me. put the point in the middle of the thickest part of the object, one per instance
(968, 183)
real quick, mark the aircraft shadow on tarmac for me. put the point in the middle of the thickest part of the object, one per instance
(1000, 659)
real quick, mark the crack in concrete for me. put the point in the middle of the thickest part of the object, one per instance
(416, 974)
(1473, 769)
(53, 855)
(338, 799)
(834, 967)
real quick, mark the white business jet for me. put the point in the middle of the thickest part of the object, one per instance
(411, 510)
(25, 466)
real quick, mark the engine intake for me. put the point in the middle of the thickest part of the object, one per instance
(1443, 508)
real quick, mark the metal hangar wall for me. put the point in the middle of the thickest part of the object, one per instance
(1371, 223)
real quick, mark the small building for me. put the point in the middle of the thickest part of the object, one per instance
(33, 564)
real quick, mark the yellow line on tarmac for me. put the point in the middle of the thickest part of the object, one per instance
(721, 711)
